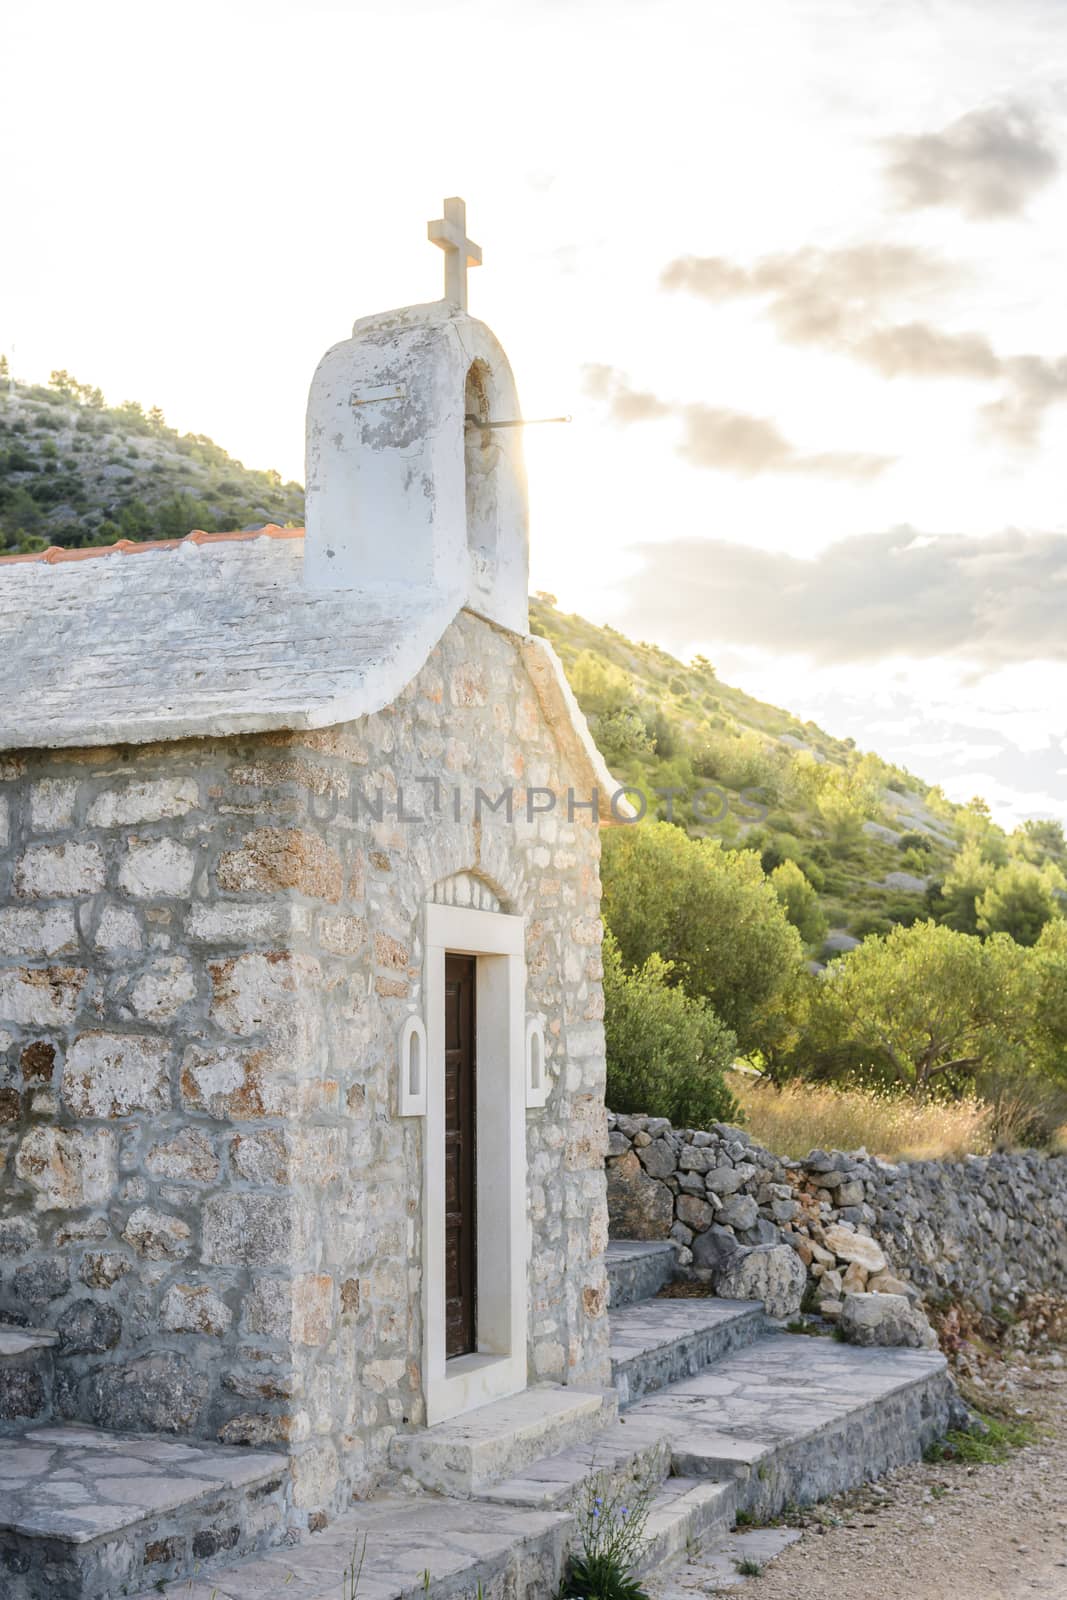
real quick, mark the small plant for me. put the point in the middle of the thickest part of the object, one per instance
(749, 1568)
(611, 1529)
(988, 1448)
(351, 1575)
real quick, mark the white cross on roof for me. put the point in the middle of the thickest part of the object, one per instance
(449, 233)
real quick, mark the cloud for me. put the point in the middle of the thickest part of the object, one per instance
(986, 165)
(992, 601)
(839, 300)
(722, 440)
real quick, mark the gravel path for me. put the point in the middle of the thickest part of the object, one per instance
(937, 1532)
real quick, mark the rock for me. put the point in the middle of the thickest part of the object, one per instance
(87, 1328)
(831, 1309)
(739, 1211)
(772, 1273)
(830, 1287)
(885, 1319)
(691, 1158)
(713, 1248)
(849, 1246)
(850, 1194)
(158, 1392)
(641, 1139)
(725, 1180)
(156, 1235)
(886, 1283)
(618, 1144)
(194, 1308)
(854, 1278)
(640, 1207)
(658, 1159)
(112, 1074)
(694, 1212)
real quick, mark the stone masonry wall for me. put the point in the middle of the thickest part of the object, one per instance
(207, 950)
(986, 1229)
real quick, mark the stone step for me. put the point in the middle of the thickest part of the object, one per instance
(639, 1268)
(792, 1421)
(623, 1452)
(414, 1547)
(88, 1515)
(25, 1377)
(656, 1342)
(465, 1455)
(685, 1512)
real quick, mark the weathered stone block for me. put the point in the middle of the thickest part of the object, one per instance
(695, 1213)
(194, 1308)
(88, 1328)
(249, 1229)
(273, 859)
(157, 869)
(67, 1167)
(161, 992)
(640, 1207)
(312, 1308)
(189, 1157)
(41, 997)
(157, 1235)
(149, 801)
(738, 1211)
(772, 1273)
(885, 1319)
(112, 1074)
(52, 804)
(62, 870)
(233, 1084)
(162, 1392)
(37, 931)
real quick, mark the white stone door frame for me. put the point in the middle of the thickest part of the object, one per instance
(498, 1367)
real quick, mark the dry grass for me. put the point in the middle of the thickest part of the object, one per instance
(805, 1116)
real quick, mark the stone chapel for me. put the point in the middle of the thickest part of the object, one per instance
(302, 1094)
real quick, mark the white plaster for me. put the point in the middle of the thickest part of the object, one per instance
(411, 1068)
(199, 640)
(400, 490)
(499, 1366)
(538, 1082)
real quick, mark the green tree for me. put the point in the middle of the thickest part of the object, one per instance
(966, 881)
(1019, 901)
(924, 1005)
(1039, 839)
(800, 902)
(709, 912)
(666, 1051)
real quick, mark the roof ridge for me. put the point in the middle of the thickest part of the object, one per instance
(132, 547)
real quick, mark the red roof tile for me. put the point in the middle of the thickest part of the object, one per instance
(131, 547)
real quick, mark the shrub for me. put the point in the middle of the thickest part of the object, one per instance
(666, 1050)
(709, 912)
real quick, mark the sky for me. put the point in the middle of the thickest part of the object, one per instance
(794, 267)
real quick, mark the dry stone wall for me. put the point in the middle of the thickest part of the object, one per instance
(986, 1229)
(207, 950)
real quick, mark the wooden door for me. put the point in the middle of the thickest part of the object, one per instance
(461, 1243)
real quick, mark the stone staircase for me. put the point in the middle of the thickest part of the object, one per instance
(713, 1406)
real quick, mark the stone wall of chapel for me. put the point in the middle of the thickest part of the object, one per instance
(207, 950)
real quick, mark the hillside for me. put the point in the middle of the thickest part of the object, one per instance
(76, 471)
(875, 841)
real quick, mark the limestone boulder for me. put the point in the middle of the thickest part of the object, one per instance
(640, 1207)
(773, 1273)
(847, 1245)
(885, 1319)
